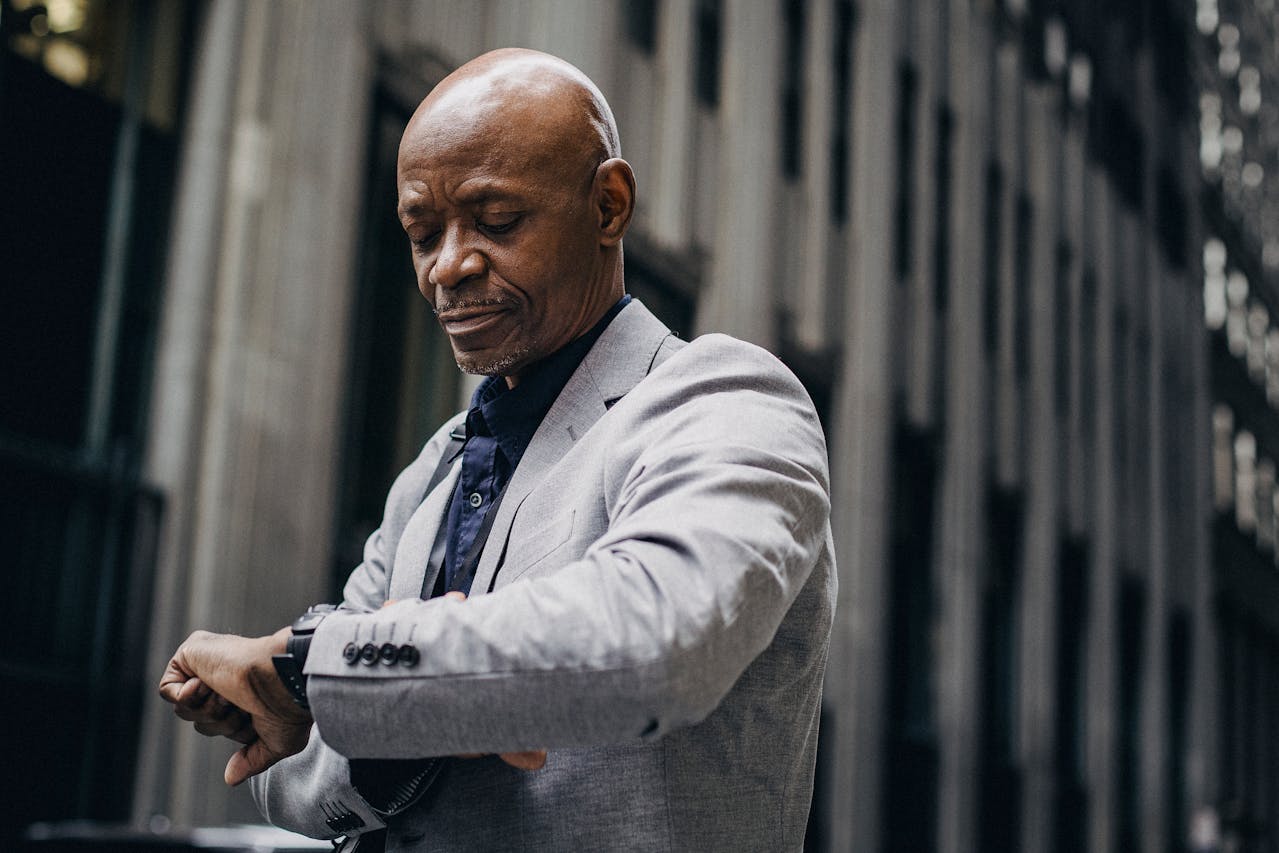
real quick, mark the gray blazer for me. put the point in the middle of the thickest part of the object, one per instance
(663, 583)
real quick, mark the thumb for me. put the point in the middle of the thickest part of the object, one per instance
(247, 761)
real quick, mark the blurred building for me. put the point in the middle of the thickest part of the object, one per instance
(1238, 73)
(1029, 295)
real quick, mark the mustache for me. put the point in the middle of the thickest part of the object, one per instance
(467, 304)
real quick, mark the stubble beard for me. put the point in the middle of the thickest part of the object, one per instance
(493, 364)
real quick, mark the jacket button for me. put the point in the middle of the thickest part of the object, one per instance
(351, 653)
(408, 655)
(388, 653)
(475, 499)
(368, 653)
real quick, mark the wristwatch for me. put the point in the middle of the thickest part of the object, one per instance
(289, 665)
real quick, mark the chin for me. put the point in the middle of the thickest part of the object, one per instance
(492, 363)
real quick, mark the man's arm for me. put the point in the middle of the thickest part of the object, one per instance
(721, 513)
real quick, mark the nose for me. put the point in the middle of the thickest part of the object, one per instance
(456, 261)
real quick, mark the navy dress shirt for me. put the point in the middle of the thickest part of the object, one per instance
(499, 426)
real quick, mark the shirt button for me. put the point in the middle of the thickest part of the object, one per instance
(475, 499)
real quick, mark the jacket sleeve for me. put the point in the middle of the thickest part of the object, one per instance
(718, 507)
(311, 792)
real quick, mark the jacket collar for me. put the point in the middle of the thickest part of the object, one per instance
(622, 356)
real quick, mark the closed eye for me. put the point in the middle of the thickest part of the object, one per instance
(496, 225)
(426, 243)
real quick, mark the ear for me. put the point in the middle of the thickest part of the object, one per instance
(614, 199)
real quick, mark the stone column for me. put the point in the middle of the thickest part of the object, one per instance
(251, 362)
(671, 198)
(1038, 592)
(741, 294)
(1009, 110)
(1103, 639)
(860, 449)
(1159, 282)
(930, 42)
(810, 302)
(961, 564)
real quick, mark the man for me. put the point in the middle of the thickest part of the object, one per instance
(606, 590)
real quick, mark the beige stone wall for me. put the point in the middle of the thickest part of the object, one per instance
(250, 379)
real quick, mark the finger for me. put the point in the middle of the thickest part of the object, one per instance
(456, 595)
(389, 602)
(248, 761)
(237, 726)
(194, 693)
(171, 683)
(534, 759)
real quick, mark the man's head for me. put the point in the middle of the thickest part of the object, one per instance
(515, 202)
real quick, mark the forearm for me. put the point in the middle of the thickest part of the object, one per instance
(644, 634)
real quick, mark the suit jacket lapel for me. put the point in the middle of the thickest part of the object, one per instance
(618, 361)
(413, 551)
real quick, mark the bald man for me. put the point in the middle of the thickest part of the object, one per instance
(597, 611)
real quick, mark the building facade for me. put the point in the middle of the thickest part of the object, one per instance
(986, 235)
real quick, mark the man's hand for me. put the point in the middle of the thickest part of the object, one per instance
(227, 685)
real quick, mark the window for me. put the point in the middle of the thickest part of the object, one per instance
(941, 203)
(402, 379)
(1022, 284)
(709, 22)
(842, 54)
(1132, 625)
(1000, 780)
(906, 133)
(911, 759)
(1069, 738)
(990, 257)
(792, 118)
(1063, 325)
(641, 24)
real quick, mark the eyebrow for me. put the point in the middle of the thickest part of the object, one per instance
(472, 192)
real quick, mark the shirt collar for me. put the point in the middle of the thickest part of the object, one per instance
(512, 415)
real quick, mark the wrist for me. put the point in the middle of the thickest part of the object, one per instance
(291, 646)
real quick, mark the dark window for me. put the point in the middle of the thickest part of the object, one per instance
(792, 87)
(1000, 785)
(1170, 217)
(709, 22)
(990, 256)
(1179, 652)
(1173, 59)
(1022, 287)
(1070, 760)
(1088, 354)
(941, 205)
(402, 379)
(87, 161)
(1228, 684)
(641, 24)
(1119, 388)
(1063, 325)
(911, 760)
(903, 241)
(1115, 140)
(842, 54)
(1132, 626)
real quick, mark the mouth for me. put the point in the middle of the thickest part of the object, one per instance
(468, 319)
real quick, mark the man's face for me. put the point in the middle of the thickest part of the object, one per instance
(503, 236)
